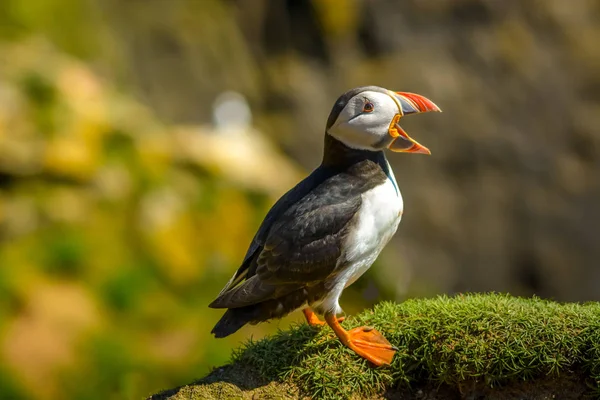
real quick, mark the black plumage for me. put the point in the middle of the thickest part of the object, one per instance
(298, 245)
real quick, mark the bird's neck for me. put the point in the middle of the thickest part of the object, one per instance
(339, 156)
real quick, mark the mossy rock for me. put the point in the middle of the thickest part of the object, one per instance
(466, 346)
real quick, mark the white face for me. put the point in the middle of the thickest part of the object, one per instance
(364, 122)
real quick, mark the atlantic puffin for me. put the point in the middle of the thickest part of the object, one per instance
(324, 233)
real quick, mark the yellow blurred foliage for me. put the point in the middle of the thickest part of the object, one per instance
(71, 158)
(112, 234)
(43, 338)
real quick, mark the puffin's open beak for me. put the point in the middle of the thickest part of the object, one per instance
(408, 103)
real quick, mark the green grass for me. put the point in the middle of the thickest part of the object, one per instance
(486, 340)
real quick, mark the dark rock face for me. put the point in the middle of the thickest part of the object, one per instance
(509, 199)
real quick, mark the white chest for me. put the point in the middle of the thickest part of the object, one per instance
(376, 223)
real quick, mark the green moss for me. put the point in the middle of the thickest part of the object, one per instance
(462, 343)
(232, 382)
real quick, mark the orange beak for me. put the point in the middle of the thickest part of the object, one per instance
(408, 103)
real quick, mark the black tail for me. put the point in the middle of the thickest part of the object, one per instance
(234, 319)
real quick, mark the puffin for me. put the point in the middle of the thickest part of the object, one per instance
(325, 232)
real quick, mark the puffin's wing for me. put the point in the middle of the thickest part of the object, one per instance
(248, 267)
(303, 244)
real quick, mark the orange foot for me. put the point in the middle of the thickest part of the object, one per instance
(365, 341)
(313, 319)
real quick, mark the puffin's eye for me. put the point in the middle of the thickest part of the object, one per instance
(368, 107)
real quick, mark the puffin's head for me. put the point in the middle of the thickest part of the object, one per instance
(366, 118)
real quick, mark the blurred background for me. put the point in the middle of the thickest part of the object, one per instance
(142, 142)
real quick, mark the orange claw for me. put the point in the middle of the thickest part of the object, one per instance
(365, 341)
(313, 320)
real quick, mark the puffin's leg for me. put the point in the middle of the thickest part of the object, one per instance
(365, 341)
(313, 320)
